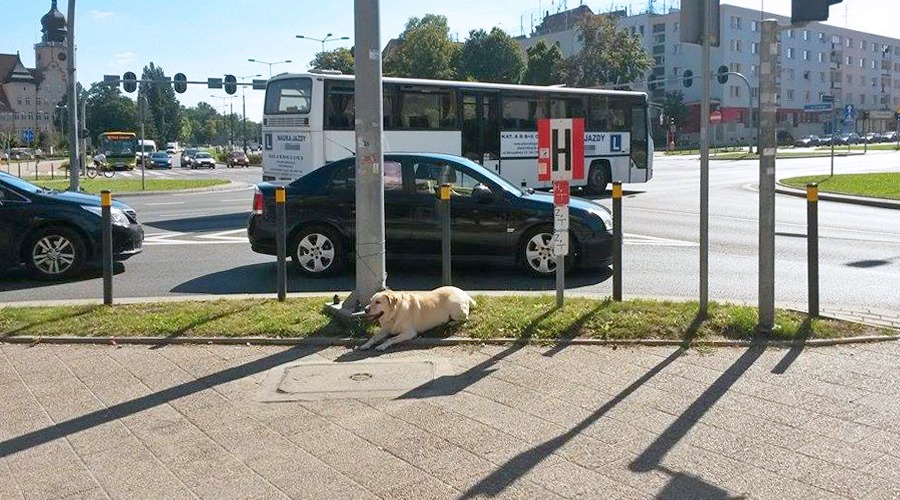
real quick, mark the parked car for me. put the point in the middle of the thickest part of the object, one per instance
(494, 222)
(56, 233)
(784, 138)
(187, 155)
(847, 139)
(159, 159)
(872, 137)
(807, 141)
(889, 136)
(203, 159)
(237, 158)
(20, 154)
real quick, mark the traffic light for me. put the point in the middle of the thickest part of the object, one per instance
(688, 78)
(230, 84)
(129, 82)
(810, 10)
(722, 76)
(180, 83)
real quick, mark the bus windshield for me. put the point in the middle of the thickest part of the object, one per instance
(289, 96)
(118, 144)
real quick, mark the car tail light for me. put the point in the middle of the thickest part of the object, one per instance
(258, 203)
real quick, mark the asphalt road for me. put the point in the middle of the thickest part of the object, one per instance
(196, 244)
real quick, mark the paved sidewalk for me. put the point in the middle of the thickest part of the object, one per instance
(509, 422)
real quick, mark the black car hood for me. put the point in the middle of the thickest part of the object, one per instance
(579, 204)
(88, 200)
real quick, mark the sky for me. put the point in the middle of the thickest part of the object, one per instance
(204, 39)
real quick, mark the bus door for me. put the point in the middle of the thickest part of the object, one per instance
(481, 128)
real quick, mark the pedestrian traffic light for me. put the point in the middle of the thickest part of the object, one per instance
(129, 82)
(180, 83)
(810, 10)
(230, 84)
(722, 76)
(688, 78)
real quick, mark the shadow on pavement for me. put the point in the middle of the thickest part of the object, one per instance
(78, 424)
(260, 278)
(518, 466)
(21, 279)
(221, 222)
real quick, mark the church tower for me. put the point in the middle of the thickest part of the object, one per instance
(51, 60)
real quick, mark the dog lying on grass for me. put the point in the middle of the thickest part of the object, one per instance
(405, 315)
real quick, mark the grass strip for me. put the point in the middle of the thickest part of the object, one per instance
(524, 317)
(122, 185)
(876, 185)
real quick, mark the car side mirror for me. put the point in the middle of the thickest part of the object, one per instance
(482, 194)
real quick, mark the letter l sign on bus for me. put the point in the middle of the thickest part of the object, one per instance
(560, 149)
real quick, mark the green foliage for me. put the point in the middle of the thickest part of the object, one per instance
(673, 106)
(340, 59)
(108, 110)
(164, 110)
(609, 55)
(424, 50)
(879, 185)
(544, 64)
(491, 57)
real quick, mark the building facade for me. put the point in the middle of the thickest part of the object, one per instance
(29, 96)
(861, 70)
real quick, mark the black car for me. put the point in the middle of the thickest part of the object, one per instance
(493, 221)
(55, 233)
(160, 159)
(187, 156)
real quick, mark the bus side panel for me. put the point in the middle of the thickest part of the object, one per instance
(341, 143)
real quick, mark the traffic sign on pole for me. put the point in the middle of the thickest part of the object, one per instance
(28, 135)
(560, 149)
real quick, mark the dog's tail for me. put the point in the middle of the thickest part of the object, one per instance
(472, 303)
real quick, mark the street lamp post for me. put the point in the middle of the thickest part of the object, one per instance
(244, 110)
(327, 38)
(269, 63)
(230, 118)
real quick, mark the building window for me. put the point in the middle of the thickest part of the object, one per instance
(790, 52)
(641, 29)
(806, 55)
(661, 38)
(862, 45)
(806, 35)
(822, 76)
(850, 79)
(753, 69)
(849, 61)
(790, 73)
(821, 57)
(676, 71)
(735, 45)
(675, 48)
(790, 94)
(862, 98)
(735, 91)
(754, 47)
(736, 22)
(659, 60)
(849, 42)
(736, 67)
(754, 26)
(862, 62)
(821, 36)
(659, 28)
(806, 96)
(790, 33)
(873, 63)
(754, 92)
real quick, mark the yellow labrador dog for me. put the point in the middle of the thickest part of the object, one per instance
(405, 315)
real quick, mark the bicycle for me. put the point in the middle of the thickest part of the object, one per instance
(99, 168)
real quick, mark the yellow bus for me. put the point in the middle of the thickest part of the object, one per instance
(119, 149)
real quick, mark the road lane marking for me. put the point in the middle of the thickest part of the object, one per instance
(166, 203)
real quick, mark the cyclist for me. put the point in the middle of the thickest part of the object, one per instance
(99, 160)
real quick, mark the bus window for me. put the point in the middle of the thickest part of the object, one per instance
(339, 106)
(288, 96)
(523, 112)
(639, 133)
(566, 107)
(432, 110)
(609, 115)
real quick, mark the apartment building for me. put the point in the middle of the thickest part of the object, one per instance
(861, 70)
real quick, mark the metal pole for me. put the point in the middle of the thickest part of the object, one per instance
(833, 131)
(370, 267)
(106, 241)
(244, 119)
(704, 165)
(617, 240)
(141, 147)
(445, 234)
(280, 243)
(768, 69)
(812, 246)
(73, 102)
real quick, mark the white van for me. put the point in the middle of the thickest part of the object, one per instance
(145, 149)
(172, 148)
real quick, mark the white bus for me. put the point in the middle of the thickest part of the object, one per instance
(308, 121)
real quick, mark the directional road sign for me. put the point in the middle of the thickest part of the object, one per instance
(28, 135)
(824, 106)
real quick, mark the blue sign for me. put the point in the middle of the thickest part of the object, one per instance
(848, 113)
(615, 142)
(825, 106)
(28, 135)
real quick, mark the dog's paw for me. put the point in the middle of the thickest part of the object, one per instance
(382, 347)
(363, 347)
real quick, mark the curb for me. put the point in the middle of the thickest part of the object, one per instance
(841, 198)
(438, 342)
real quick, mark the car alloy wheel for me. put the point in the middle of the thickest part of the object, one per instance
(318, 252)
(538, 254)
(56, 253)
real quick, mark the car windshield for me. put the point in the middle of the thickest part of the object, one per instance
(18, 183)
(159, 155)
(203, 155)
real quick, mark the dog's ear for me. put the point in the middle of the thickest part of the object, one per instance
(392, 298)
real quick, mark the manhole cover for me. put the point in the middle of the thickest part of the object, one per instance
(313, 381)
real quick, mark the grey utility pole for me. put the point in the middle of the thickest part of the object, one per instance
(704, 161)
(73, 102)
(370, 254)
(768, 69)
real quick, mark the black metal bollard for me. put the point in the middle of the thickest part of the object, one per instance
(617, 240)
(106, 241)
(445, 234)
(812, 246)
(281, 244)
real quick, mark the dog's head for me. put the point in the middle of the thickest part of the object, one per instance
(382, 305)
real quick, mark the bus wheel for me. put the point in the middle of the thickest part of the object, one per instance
(318, 252)
(598, 178)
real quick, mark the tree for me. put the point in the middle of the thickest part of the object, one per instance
(608, 56)
(340, 59)
(544, 64)
(164, 109)
(673, 107)
(491, 57)
(424, 50)
(108, 110)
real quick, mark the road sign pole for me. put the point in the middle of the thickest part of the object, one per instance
(446, 258)
(812, 247)
(617, 240)
(768, 69)
(704, 162)
(560, 236)
(73, 102)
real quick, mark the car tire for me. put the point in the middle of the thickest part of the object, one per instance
(55, 253)
(597, 179)
(318, 251)
(536, 253)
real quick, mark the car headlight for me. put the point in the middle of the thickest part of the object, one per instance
(116, 215)
(605, 216)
